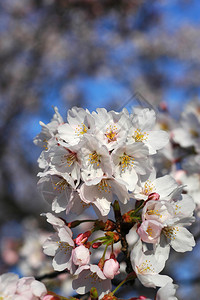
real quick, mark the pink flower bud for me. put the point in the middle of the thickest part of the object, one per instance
(96, 245)
(50, 297)
(111, 268)
(82, 238)
(153, 196)
(81, 255)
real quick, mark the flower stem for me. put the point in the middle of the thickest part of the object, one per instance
(121, 283)
(104, 253)
(130, 276)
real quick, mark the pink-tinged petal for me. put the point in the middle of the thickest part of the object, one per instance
(111, 268)
(38, 288)
(81, 255)
(149, 231)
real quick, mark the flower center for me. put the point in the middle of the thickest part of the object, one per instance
(93, 277)
(104, 186)
(145, 268)
(81, 129)
(148, 188)
(111, 133)
(126, 161)
(46, 148)
(71, 158)
(170, 232)
(140, 136)
(64, 246)
(153, 212)
(61, 185)
(177, 209)
(94, 158)
(149, 231)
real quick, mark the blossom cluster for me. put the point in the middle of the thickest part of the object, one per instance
(106, 160)
(95, 158)
(26, 288)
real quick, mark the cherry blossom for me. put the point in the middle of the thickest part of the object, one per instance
(147, 185)
(100, 193)
(189, 132)
(149, 231)
(142, 130)
(129, 161)
(66, 159)
(95, 159)
(111, 127)
(148, 264)
(57, 190)
(60, 245)
(91, 276)
(26, 288)
(49, 130)
(80, 122)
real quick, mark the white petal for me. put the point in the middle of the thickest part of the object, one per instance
(38, 288)
(182, 240)
(167, 292)
(154, 280)
(156, 140)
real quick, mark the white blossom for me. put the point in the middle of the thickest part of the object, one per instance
(80, 122)
(148, 264)
(142, 130)
(91, 276)
(129, 161)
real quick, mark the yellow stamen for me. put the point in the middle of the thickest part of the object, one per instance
(61, 185)
(94, 158)
(149, 231)
(145, 267)
(81, 129)
(111, 133)
(93, 277)
(71, 158)
(104, 186)
(170, 232)
(64, 246)
(154, 212)
(46, 148)
(126, 161)
(148, 188)
(140, 136)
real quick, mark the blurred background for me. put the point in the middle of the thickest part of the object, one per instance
(91, 54)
